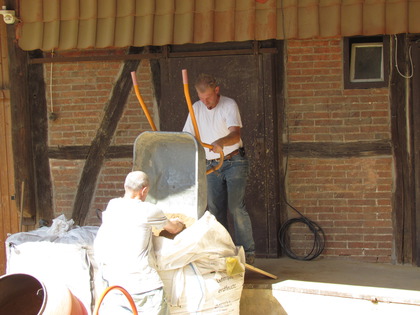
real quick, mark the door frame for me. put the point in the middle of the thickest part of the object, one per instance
(271, 89)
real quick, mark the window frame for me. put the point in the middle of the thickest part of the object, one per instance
(348, 57)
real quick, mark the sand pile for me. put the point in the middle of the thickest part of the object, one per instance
(188, 221)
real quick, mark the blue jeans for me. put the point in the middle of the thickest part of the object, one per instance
(226, 192)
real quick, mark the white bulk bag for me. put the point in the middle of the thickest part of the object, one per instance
(206, 242)
(61, 253)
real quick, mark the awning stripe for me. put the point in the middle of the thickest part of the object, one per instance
(86, 24)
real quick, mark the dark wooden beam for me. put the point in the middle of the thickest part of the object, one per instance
(61, 59)
(416, 141)
(402, 203)
(116, 57)
(269, 90)
(227, 52)
(280, 114)
(39, 123)
(81, 152)
(96, 156)
(21, 122)
(337, 149)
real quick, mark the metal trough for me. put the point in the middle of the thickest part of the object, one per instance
(176, 165)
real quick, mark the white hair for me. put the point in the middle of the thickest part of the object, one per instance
(136, 181)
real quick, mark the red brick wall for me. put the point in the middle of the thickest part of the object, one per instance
(77, 93)
(350, 198)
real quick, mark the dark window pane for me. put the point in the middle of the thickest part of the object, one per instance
(366, 63)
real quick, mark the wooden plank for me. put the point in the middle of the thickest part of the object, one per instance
(4, 79)
(280, 113)
(5, 194)
(338, 149)
(8, 212)
(57, 58)
(81, 152)
(269, 74)
(116, 57)
(416, 141)
(21, 120)
(39, 126)
(215, 53)
(96, 156)
(260, 271)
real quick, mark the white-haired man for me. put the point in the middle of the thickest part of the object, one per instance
(124, 249)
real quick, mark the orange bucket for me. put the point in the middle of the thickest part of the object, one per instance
(23, 294)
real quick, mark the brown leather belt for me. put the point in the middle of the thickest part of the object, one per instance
(227, 157)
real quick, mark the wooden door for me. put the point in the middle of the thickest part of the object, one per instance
(250, 80)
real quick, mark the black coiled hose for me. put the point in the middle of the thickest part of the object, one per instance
(317, 231)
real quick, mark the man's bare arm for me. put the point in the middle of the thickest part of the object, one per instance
(174, 226)
(232, 138)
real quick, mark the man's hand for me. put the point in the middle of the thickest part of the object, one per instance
(232, 138)
(217, 146)
(174, 226)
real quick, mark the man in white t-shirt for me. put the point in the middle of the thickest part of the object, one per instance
(124, 249)
(219, 124)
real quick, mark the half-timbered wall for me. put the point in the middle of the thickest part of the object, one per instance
(76, 97)
(346, 191)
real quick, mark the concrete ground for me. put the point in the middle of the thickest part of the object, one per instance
(328, 286)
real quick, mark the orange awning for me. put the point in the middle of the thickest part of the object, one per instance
(88, 24)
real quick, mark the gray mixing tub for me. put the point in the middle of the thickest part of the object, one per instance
(176, 165)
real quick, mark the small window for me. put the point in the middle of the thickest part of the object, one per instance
(365, 62)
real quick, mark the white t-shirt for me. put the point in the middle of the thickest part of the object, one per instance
(123, 245)
(214, 124)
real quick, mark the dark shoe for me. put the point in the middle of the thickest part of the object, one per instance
(250, 259)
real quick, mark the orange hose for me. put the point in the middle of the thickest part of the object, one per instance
(211, 170)
(190, 107)
(124, 291)
(142, 104)
(194, 121)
